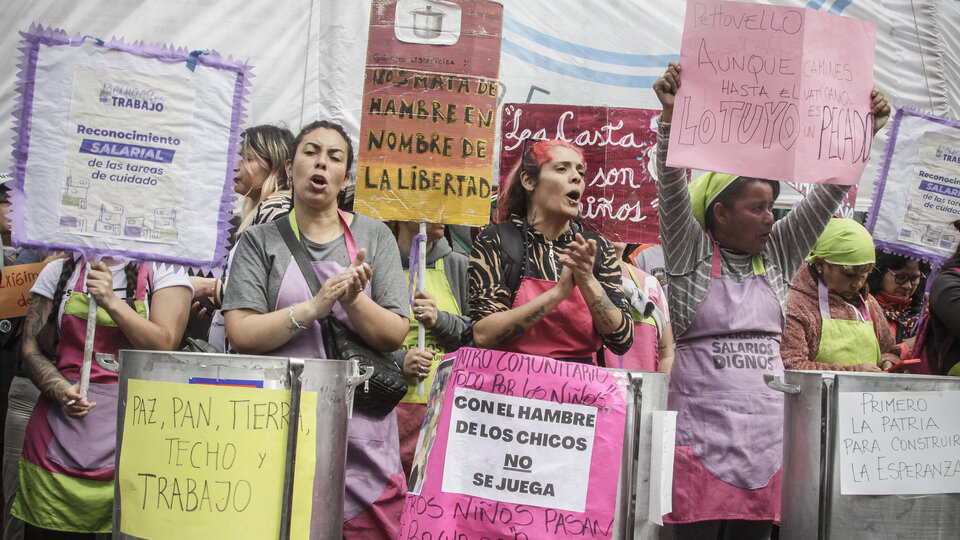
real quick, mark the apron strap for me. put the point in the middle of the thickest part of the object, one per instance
(81, 284)
(824, 300)
(347, 234)
(756, 261)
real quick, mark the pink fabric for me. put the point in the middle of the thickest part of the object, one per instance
(565, 332)
(704, 493)
(381, 520)
(409, 419)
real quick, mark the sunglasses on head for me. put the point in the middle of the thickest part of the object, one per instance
(902, 279)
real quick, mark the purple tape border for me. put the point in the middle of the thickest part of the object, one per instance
(881, 182)
(26, 81)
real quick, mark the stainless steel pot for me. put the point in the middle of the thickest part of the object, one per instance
(333, 380)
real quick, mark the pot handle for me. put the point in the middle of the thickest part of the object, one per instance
(107, 361)
(359, 378)
(775, 383)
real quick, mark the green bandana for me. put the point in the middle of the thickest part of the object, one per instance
(704, 190)
(846, 242)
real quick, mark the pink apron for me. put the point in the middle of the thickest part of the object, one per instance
(729, 424)
(375, 485)
(85, 448)
(566, 333)
(644, 354)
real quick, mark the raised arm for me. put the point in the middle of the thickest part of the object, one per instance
(684, 241)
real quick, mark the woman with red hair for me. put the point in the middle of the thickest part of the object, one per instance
(537, 282)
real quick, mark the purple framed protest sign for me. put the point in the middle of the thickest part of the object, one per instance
(125, 149)
(917, 193)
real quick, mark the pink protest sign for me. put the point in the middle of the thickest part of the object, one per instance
(620, 200)
(523, 447)
(767, 92)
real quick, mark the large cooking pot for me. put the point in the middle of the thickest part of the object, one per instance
(333, 381)
(427, 23)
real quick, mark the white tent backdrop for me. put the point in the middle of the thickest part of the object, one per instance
(308, 55)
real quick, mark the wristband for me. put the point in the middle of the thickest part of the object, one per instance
(294, 321)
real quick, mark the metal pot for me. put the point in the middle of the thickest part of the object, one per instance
(333, 380)
(427, 22)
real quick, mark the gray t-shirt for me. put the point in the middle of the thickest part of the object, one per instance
(262, 257)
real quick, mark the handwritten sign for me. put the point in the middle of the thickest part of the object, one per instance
(767, 93)
(109, 134)
(905, 443)
(620, 200)
(429, 114)
(202, 461)
(918, 191)
(525, 447)
(15, 288)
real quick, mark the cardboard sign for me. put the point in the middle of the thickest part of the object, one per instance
(766, 92)
(125, 150)
(898, 443)
(523, 446)
(429, 111)
(15, 288)
(205, 461)
(918, 191)
(620, 200)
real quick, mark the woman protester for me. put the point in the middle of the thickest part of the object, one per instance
(438, 307)
(269, 308)
(538, 283)
(942, 339)
(261, 178)
(729, 267)
(67, 465)
(833, 323)
(652, 348)
(898, 284)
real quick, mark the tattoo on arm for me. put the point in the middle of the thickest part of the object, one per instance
(42, 371)
(519, 329)
(601, 308)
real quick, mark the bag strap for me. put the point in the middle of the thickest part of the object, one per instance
(299, 255)
(511, 251)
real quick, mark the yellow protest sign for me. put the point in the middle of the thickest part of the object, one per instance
(15, 288)
(428, 124)
(201, 461)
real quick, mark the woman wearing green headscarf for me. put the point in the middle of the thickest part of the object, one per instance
(832, 321)
(730, 267)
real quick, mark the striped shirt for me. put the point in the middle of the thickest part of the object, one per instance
(488, 291)
(689, 251)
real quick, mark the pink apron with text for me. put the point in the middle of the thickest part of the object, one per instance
(566, 333)
(729, 423)
(375, 484)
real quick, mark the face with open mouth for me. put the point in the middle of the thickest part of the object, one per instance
(318, 169)
(559, 188)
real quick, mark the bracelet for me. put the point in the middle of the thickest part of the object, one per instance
(294, 321)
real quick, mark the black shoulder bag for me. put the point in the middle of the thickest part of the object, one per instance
(381, 393)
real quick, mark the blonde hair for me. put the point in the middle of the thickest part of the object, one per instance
(272, 145)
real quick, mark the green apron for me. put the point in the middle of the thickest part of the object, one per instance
(438, 286)
(847, 343)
